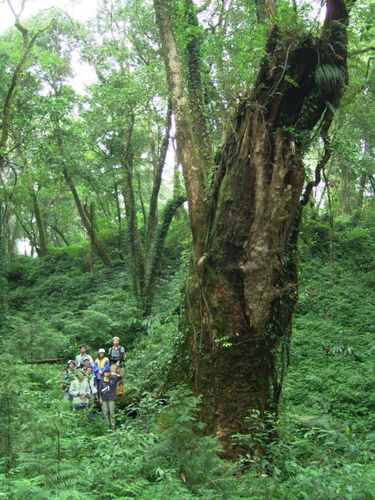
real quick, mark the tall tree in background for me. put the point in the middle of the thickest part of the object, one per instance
(242, 286)
(12, 88)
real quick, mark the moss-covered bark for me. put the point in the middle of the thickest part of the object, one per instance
(242, 287)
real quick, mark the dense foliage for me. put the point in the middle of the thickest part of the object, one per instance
(326, 430)
(95, 241)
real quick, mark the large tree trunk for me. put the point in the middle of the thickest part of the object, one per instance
(242, 286)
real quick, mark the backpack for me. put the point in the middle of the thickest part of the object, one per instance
(122, 353)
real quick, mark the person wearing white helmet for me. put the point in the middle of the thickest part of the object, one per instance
(101, 364)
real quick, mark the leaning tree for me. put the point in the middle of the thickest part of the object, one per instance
(245, 206)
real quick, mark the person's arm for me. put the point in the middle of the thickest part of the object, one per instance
(116, 377)
(94, 390)
(86, 390)
(100, 392)
(62, 380)
(73, 391)
(123, 356)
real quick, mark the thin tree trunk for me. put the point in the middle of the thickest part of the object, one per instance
(61, 234)
(361, 191)
(137, 259)
(345, 193)
(85, 220)
(13, 238)
(140, 197)
(81, 210)
(3, 280)
(91, 246)
(6, 120)
(195, 85)
(42, 240)
(29, 233)
(319, 204)
(120, 238)
(157, 178)
(157, 250)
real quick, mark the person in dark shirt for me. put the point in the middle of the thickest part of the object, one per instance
(117, 357)
(107, 396)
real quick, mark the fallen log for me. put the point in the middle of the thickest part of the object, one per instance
(43, 361)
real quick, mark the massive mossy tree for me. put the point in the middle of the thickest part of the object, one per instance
(245, 205)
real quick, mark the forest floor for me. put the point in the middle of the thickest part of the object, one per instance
(326, 439)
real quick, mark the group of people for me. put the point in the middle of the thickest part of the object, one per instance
(85, 381)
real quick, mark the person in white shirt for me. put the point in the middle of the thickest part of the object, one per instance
(79, 389)
(83, 355)
(93, 391)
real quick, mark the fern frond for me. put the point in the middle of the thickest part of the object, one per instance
(329, 76)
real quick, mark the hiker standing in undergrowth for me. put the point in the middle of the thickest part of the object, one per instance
(67, 376)
(83, 355)
(80, 390)
(101, 364)
(93, 391)
(107, 396)
(85, 365)
(117, 356)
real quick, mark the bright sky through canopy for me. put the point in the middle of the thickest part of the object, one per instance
(82, 10)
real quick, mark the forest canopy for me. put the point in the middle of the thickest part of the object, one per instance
(196, 178)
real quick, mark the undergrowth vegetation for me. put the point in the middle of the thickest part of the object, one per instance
(322, 447)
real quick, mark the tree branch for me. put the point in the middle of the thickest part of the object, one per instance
(318, 171)
(361, 51)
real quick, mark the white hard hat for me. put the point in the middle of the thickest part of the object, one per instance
(101, 350)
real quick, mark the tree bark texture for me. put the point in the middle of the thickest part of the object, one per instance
(242, 286)
(188, 154)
